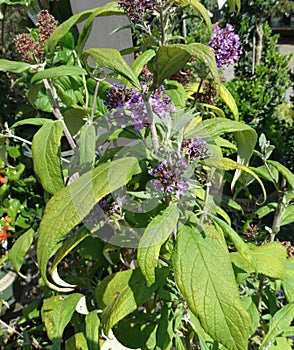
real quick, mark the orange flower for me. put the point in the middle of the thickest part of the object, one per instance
(3, 235)
(3, 179)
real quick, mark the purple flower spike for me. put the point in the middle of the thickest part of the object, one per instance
(226, 45)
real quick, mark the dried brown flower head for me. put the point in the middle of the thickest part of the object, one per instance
(46, 24)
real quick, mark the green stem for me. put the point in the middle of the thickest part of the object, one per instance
(162, 26)
(154, 135)
(56, 112)
(279, 212)
(94, 101)
(260, 291)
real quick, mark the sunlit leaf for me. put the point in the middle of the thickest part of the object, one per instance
(155, 234)
(205, 277)
(46, 156)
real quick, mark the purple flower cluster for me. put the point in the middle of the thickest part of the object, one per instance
(137, 9)
(134, 109)
(107, 204)
(195, 148)
(170, 175)
(226, 45)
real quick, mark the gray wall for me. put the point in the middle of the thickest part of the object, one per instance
(103, 26)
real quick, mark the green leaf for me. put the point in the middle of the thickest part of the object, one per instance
(170, 59)
(123, 292)
(238, 242)
(92, 329)
(200, 8)
(271, 259)
(106, 10)
(285, 172)
(177, 93)
(205, 277)
(112, 59)
(138, 64)
(288, 216)
(87, 146)
(73, 203)
(56, 72)
(229, 100)
(13, 66)
(253, 313)
(77, 342)
(46, 156)
(281, 320)
(110, 9)
(31, 121)
(288, 280)
(246, 141)
(155, 234)
(56, 313)
(217, 111)
(20, 248)
(228, 164)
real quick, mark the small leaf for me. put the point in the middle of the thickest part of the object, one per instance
(76, 342)
(109, 9)
(73, 203)
(56, 313)
(246, 141)
(200, 8)
(123, 292)
(46, 156)
(288, 280)
(31, 121)
(155, 234)
(20, 248)
(112, 59)
(92, 329)
(177, 93)
(271, 259)
(87, 147)
(238, 242)
(229, 100)
(13, 66)
(138, 64)
(285, 172)
(56, 72)
(281, 320)
(205, 277)
(288, 216)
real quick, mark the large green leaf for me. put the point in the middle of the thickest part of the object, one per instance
(200, 8)
(56, 313)
(281, 320)
(31, 121)
(170, 59)
(271, 259)
(205, 277)
(56, 72)
(138, 64)
(87, 146)
(106, 10)
(112, 59)
(73, 203)
(123, 292)
(13, 66)
(155, 234)
(46, 156)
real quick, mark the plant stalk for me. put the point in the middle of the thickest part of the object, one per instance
(57, 113)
